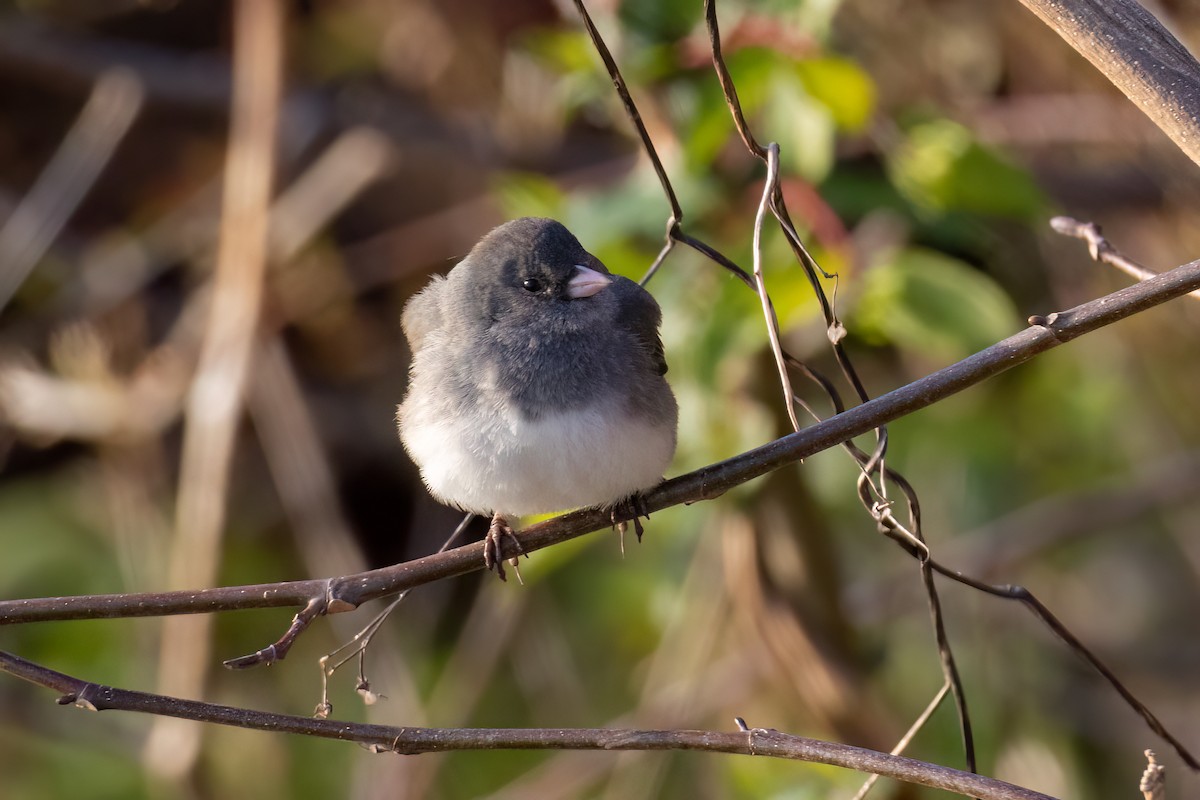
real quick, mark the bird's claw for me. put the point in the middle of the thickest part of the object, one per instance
(634, 507)
(493, 548)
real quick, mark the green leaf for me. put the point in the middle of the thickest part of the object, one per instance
(752, 69)
(565, 51)
(661, 20)
(842, 87)
(637, 207)
(941, 167)
(803, 127)
(39, 527)
(702, 109)
(780, 107)
(927, 302)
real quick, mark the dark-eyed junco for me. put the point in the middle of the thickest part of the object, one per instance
(537, 381)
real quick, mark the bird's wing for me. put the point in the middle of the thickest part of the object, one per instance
(423, 313)
(640, 315)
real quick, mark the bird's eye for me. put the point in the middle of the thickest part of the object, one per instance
(531, 285)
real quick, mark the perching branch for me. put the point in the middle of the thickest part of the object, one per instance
(410, 741)
(709, 482)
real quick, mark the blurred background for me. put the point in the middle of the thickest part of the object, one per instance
(925, 145)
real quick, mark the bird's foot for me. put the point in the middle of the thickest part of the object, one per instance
(635, 507)
(493, 547)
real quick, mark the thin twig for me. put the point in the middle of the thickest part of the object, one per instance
(1004, 544)
(668, 246)
(727, 86)
(1102, 250)
(760, 284)
(631, 110)
(357, 646)
(946, 655)
(1030, 601)
(712, 253)
(907, 738)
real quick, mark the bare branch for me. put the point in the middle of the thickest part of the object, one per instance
(1039, 609)
(1125, 42)
(411, 741)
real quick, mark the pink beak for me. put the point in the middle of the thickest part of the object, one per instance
(586, 282)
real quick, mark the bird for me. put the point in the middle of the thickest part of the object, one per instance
(537, 382)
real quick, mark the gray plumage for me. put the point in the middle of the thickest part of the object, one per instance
(537, 378)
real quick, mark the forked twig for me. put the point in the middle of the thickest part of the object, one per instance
(1102, 250)
(357, 646)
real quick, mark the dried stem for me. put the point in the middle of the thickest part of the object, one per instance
(28, 232)
(760, 284)
(907, 738)
(214, 403)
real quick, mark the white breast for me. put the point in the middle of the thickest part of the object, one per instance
(501, 462)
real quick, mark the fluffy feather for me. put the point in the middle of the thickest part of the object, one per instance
(524, 399)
